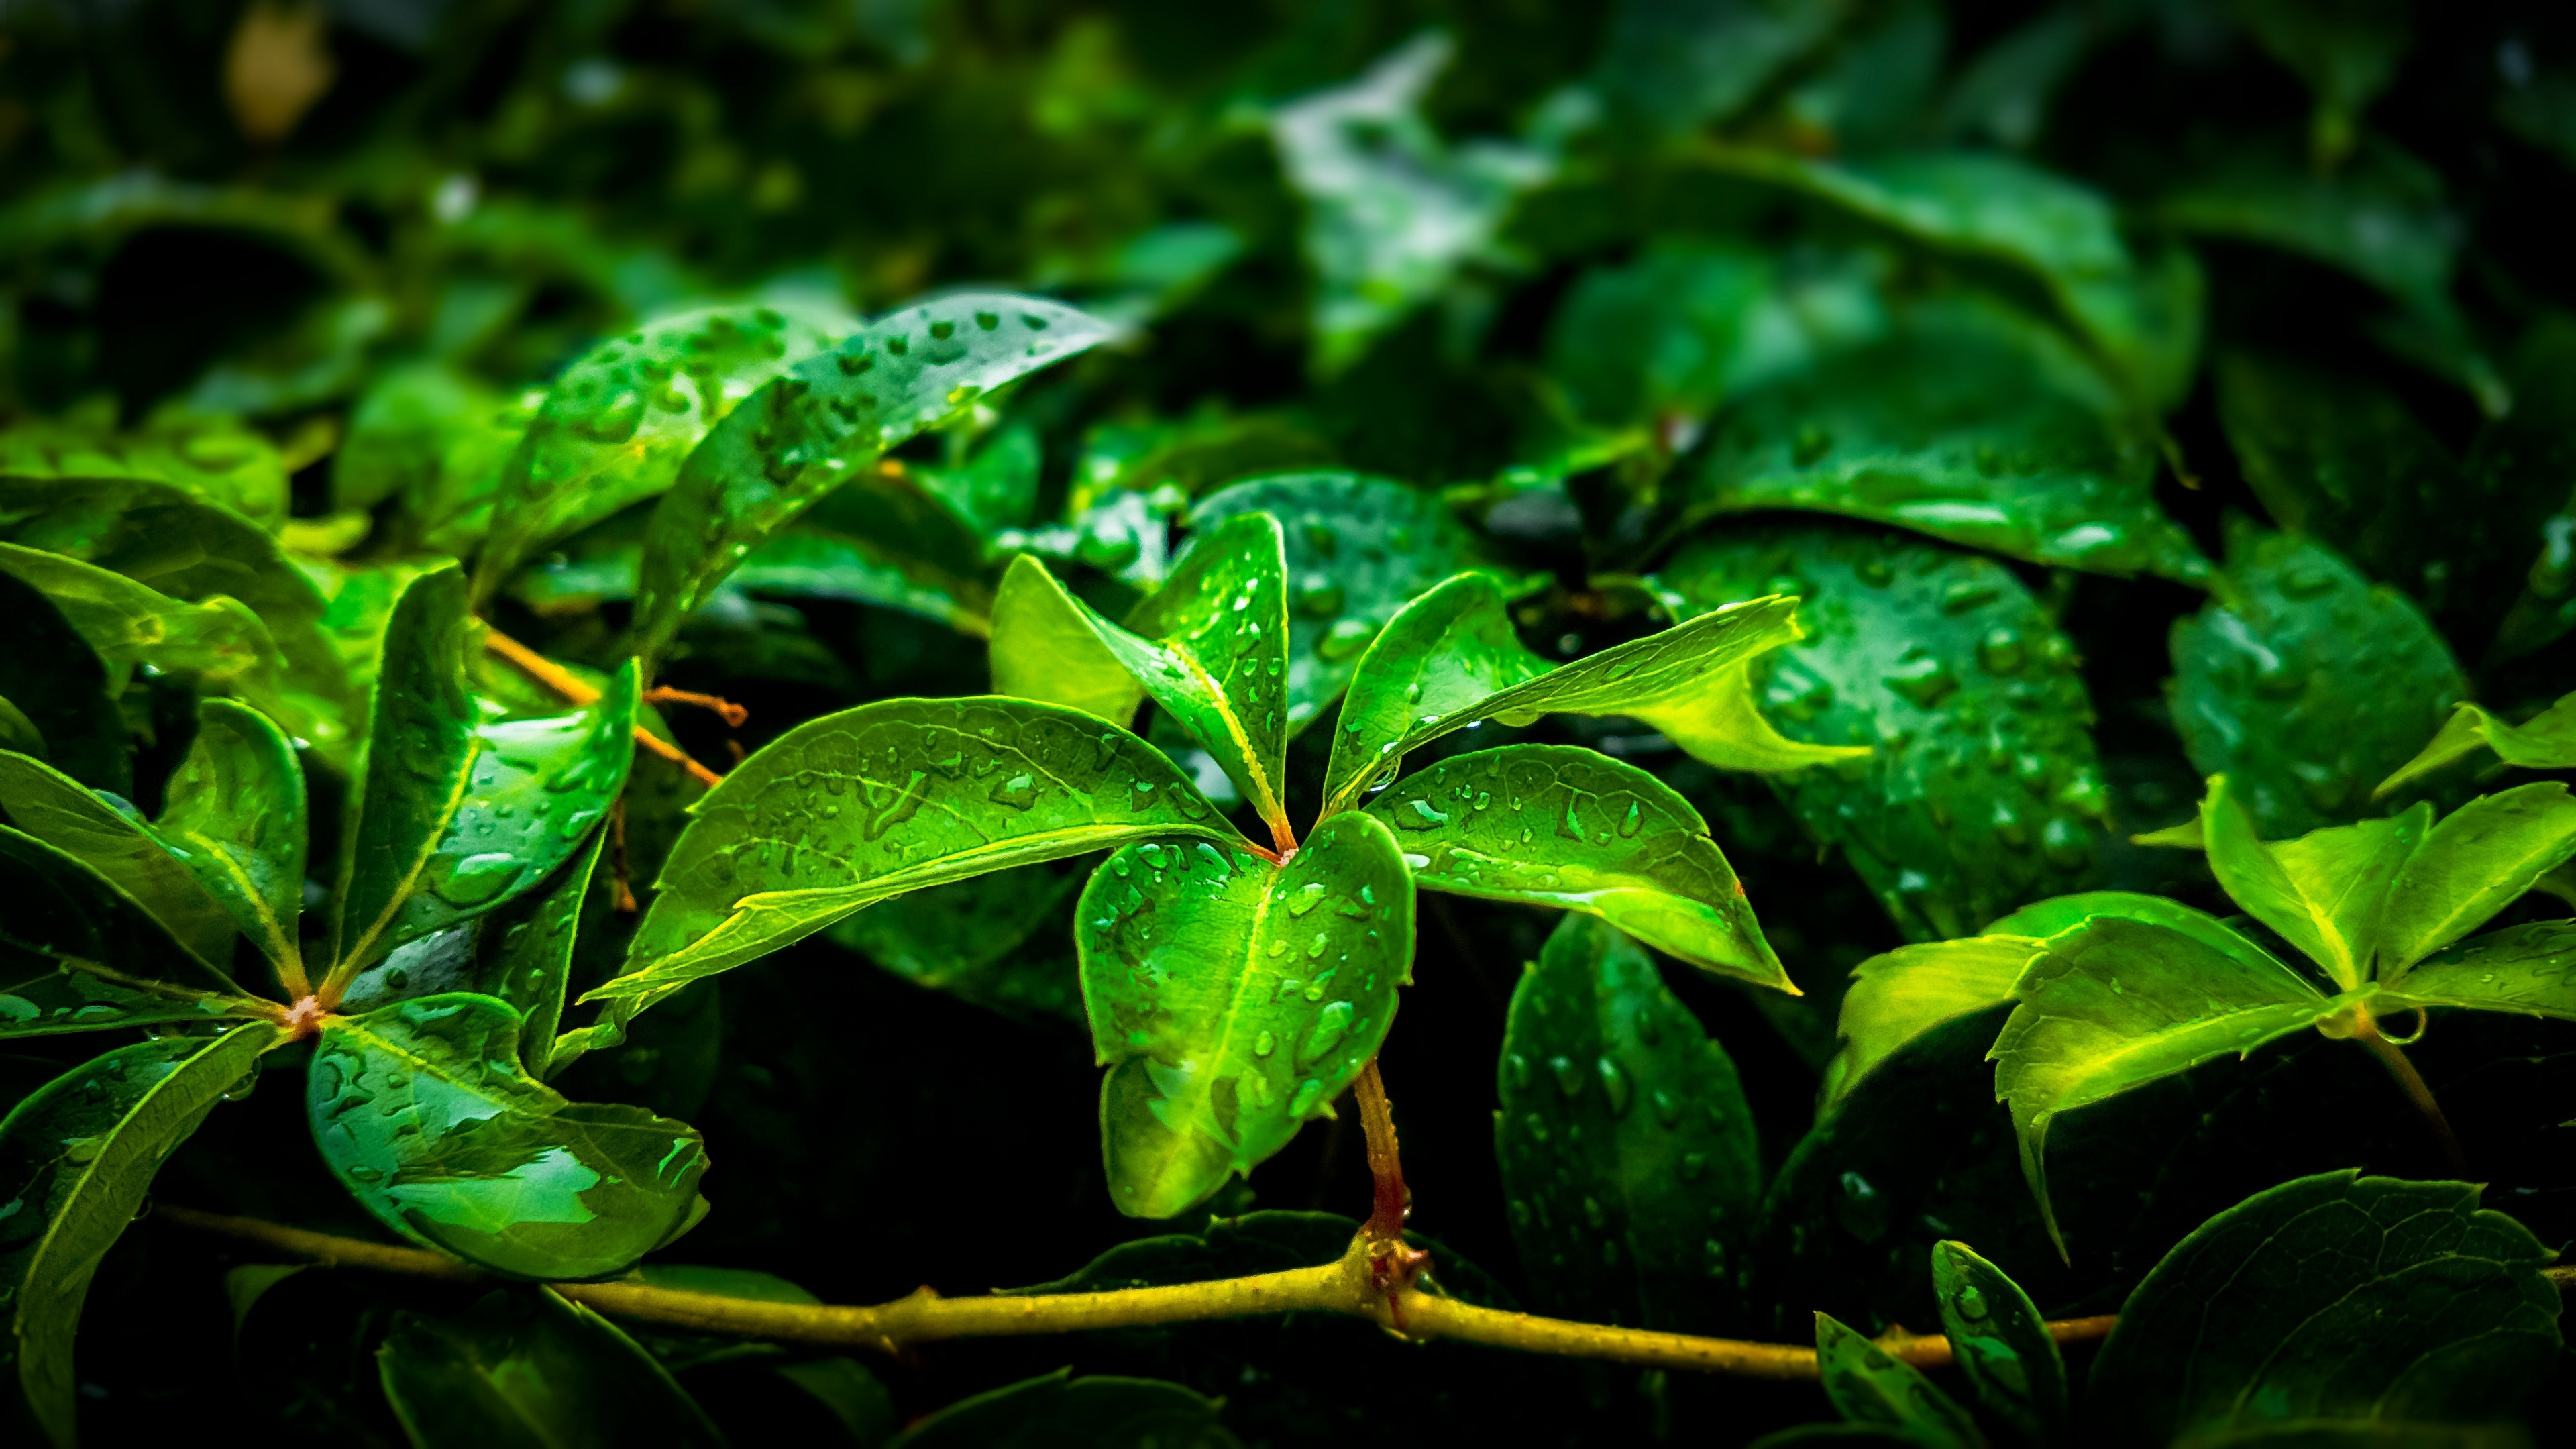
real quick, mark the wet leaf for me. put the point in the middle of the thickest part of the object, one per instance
(78, 954)
(1869, 1386)
(2115, 1004)
(1982, 790)
(58, 685)
(1898, 995)
(2473, 864)
(1966, 425)
(524, 1367)
(2528, 968)
(2324, 891)
(892, 797)
(53, 808)
(1571, 829)
(1441, 653)
(234, 811)
(1358, 549)
(1061, 1412)
(525, 952)
(76, 1159)
(2546, 741)
(2002, 1343)
(213, 457)
(1629, 1162)
(129, 624)
(2303, 683)
(1232, 1000)
(618, 423)
(2331, 1297)
(423, 1111)
(815, 426)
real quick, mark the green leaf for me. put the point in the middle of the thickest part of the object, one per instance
(972, 939)
(522, 1367)
(1965, 424)
(436, 442)
(620, 421)
(2302, 683)
(2141, 321)
(2347, 463)
(130, 624)
(1628, 1156)
(2331, 1297)
(2477, 861)
(234, 812)
(1672, 66)
(2115, 1004)
(2346, 53)
(1982, 789)
(1440, 654)
(1870, 1386)
(422, 1110)
(2528, 968)
(525, 951)
(2002, 1343)
(1231, 1000)
(1062, 1412)
(1673, 331)
(892, 797)
(1358, 549)
(58, 685)
(78, 954)
(211, 456)
(1616, 843)
(53, 807)
(1898, 995)
(1049, 646)
(2546, 741)
(805, 432)
(1391, 211)
(2324, 891)
(884, 540)
(76, 1159)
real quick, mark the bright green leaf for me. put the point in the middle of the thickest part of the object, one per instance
(1628, 1155)
(78, 954)
(1898, 995)
(1232, 1000)
(213, 457)
(235, 811)
(1047, 646)
(2001, 1342)
(807, 431)
(1440, 653)
(2477, 861)
(2323, 892)
(1613, 842)
(77, 1157)
(522, 1367)
(1871, 1386)
(2546, 741)
(2529, 968)
(53, 807)
(129, 624)
(424, 1112)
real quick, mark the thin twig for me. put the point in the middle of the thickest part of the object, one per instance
(2392, 1056)
(555, 677)
(733, 714)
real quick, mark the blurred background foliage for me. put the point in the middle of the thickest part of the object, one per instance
(2204, 370)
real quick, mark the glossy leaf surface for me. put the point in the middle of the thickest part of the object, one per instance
(55, 809)
(1981, 790)
(1870, 1386)
(2303, 683)
(886, 798)
(1571, 829)
(130, 624)
(2116, 1004)
(78, 954)
(58, 685)
(1440, 654)
(2002, 1343)
(2324, 891)
(1047, 646)
(1232, 1000)
(1629, 1162)
(2474, 864)
(234, 812)
(2546, 741)
(1358, 549)
(618, 423)
(76, 1159)
(2331, 1297)
(810, 429)
(1057, 1410)
(2527, 968)
(1898, 995)
(525, 954)
(523, 1367)
(423, 1111)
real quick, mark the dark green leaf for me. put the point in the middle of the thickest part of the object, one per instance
(1869, 1386)
(974, 940)
(1981, 791)
(78, 954)
(2472, 865)
(1628, 1156)
(2345, 52)
(2115, 1004)
(524, 1368)
(1619, 844)
(2332, 1297)
(52, 807)
(1232, 1000)
(2324, 891)
(1674, 65)
(2002, 1343)
(129, 624)
(1057, 1411)
(2546, 741)
(525, 953)
(2303, 684)
(1358, 549)
(234, 811)
(211, 456)
(2529, 968)
(1680, 329)
(997, 485)
(2518, 471)
(621, 419)
(76, 1159)
(423, 1111)
(807, 431)
(892, 797)
(58, 685)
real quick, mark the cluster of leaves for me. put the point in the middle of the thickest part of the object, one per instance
(1509, 429)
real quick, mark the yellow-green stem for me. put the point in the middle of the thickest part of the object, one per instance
(2411, 1082)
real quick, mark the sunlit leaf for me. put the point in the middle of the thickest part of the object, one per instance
(2546, 741)
(1898, 995)
(2324, 891)
(1047, 646)
(214, 457)
(2473, 864)
(522, 1366)
(234, 813)
(2528, 968)
(1232, 1000)
(1629, 1162)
